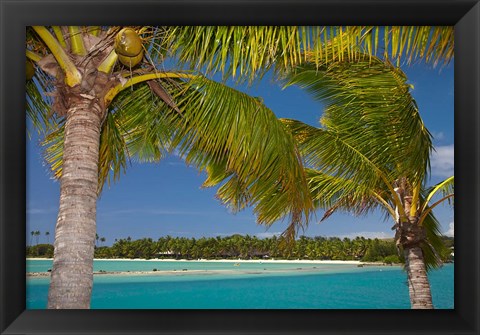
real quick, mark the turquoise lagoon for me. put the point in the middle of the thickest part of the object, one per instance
(244, 285)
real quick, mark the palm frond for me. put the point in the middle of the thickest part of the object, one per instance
(231, 135)
(221, 126)
(53, 149)
(216, 173)
(113, 154)
(249, 51)
(406, 44)
(38, 102)
(37, 108)
(332, 155)
(332, 194)
(135, 128)
(241, 51)
(433, 245)
(446, 187)
(370, 108)
(143, 118)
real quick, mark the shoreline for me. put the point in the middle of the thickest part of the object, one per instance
(182, 272)
(211, 272)
(294, 261)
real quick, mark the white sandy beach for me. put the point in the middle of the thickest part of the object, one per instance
(236, 262)
(224, 260)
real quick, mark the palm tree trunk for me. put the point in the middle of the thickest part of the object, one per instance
(418, 285)
(72, 272)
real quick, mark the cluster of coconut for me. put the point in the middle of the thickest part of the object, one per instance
(128, 47)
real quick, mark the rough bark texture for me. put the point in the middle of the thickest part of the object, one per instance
(72, 272)
(410, 235)
(418, 285)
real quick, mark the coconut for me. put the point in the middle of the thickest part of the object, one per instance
(131, 61)
(29, 70)
(128, 43)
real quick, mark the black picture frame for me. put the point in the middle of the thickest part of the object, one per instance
(16, 14)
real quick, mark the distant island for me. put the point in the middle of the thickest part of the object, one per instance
(246, 247)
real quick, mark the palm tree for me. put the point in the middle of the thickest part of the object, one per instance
(103, 97)
(372, 151)
(32, 233)
(100, 108)
(37, 236)
(102, 239)
(47, 234)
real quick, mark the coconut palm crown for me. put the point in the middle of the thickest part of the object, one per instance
(372, 152)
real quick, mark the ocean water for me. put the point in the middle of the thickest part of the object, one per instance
(248, 286)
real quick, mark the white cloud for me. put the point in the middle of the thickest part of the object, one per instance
(438, 135)
(451, 230)
(368, 234)
(442, 161)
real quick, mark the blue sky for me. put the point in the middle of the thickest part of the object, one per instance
(154, 200)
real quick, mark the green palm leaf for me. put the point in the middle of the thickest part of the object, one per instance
(113, 154)
(371, 136)
(333, 193)
(224, 129)
(250, 51)
(368, 106)
(240, 51)
(38, 103)
(446, 187)
(143, 118)
(407, 43)
(236, 139)
(53, 152)
(331, 154)
(433, 245)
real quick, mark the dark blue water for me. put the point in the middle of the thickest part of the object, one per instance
(341, 287)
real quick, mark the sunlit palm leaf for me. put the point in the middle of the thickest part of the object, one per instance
(38, 103)
(333, 193)
(220, 125)
(446, 188)
(113, 154)
(369, 107)
(371, 135)
(136, 128)
(240, 51)
(246, 51)
(37, 109)
(407, 43)
(53, 152)
(143, 119)
(330, 154)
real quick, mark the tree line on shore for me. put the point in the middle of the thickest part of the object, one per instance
(251, 247)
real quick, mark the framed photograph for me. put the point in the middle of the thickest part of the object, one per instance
(279, 288)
